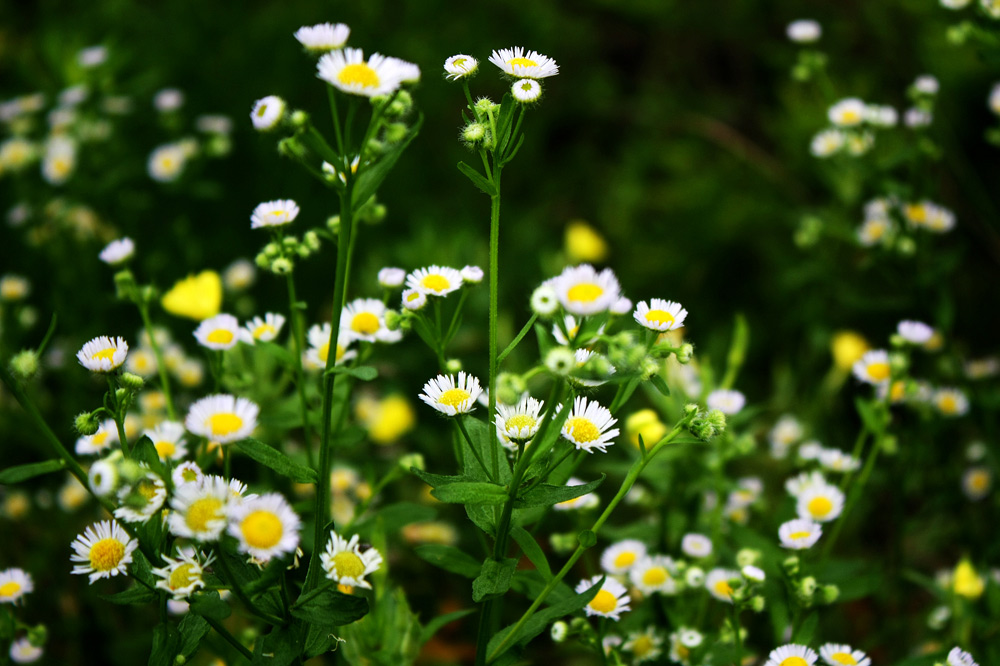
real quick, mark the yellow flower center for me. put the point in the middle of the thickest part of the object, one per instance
(358, 74)
(262, 529)
(522, 62)
(365, 323)
(642, 646)
(916, 213)
(660, 317)
(844, 658)
(324, 351)
(104, 354)
(223, 423)
(878, 371)
(413, 297)
(100, 438)
(262, 330)
(201, 512)
(948, 404)
(435, 282)
(106, 554)
(799, 535)
(454, 397)
(604, 602)
(146, 488)
(165, 449)
(167, 163)
(348, 565)
(189, 475)
(61, 166)
(585, 292)
(220, 336)
(979, 480)
(820, 506)
(655, 576)
(723, 588)
(459, 63)
(850, 117)
(682, 651)
(582, 430)
(10, 588)
(182, 576)
(876, 231)
(624, 559)
(519, 421)
(897, 391)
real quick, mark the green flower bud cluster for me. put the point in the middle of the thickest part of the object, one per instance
(708, 425)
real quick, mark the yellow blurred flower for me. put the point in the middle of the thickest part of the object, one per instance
(847, 347)
(645, 422)
(966, 582)
(387, 420)
(583, 243)
(430, 532)
(195, 297)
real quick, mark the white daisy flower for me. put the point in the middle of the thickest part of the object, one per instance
(611, 601)
(696, 545)
(102, 354)
(950, 402)
(23, 652)
(434, 281)
(838, 654)
(166, 162)
(644, 645)
(583, 291)
(927, 84)
(786, 432)
(717, 582)
(344, 562)
(222, 418)
(214, 124)
(319, 346)
(391, 277)
(573, 329)
(544, 301)
(588, 501)
(526, 91)
(184, 575)
(186, 473)
(16, 154)
(881, 115)
(753, 574)
(836, 460)
(347, 70)
(266, 329)
(619, 557)
(726, 401)
(142, 499)
(237, 489)
(100, 441)
(460, 66)
(323, 36)
(991, 7)
(472, 275)
(520, 422)
(219, 332)
(791, 655)
(533, 65)
(873, 367)
(959, 657)
(168, 99)
(589, 426)
(168, 439)
(799, 534)
(117, 251)
(660, 315)
(414, 299)
(275, 213)
(939, 220)
(827, 143)
(14, 584)
(103, 550)
(364, 319)
(976, 483)
(916, 118)
(452, 397)
(407, 72)
(265, 526)
(955, 4)
(59, 160)
(198, 510)
(859, 143)
(796, 485)
(821, 502)
(102, 477)
(994, 100)
(267, 113)
(873, 231)
(92, 56)
(239, 275)
(810, 450)
(654, 574)
(804, 31)
(848, 112)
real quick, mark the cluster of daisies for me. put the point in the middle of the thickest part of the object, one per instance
(14, 585)
(886, 218)
(525, 67)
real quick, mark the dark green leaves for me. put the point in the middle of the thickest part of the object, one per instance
(545, 494)
(471, 492)
(210, 605)
(477, 179)
(137, 595)
(450, 559)
(276, 460)
(330, 607)
(494, 579)
(25, 472)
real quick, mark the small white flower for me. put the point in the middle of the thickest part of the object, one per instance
(391, 277)
(644, 645)
(654, 574)
(544, 301)
(168, 440)
(184, 575)
(168, 99)
(23, 652)
(836, 460)
(102, 551)
(581, 290)
(520, 422)
(611, 601)
(100, 441)
(222, 418)
(526, 91)
(950, 402)
(319, 346)
(348, 71)
(752, 573)
(460, 66)
(142, 499)
(827, 143)
(873, 367)
(927, 84)
(959, 657)
(323, 36)
(881, 116)
(621, 307)
(167, 162)
(696, 545)
(836, 654)
(92, 56)
(717, 582)
(821, 502)
(198, 510)
(364, 319)
(274, 213)
(434, 280)
(102, 354)
(976, 482)
(264, 526)
(790, 654)
(533, 65)
(267, 113)
(619, 557)
(811, 450)
(414, 299)
(804, 31)
(102, 477)
(726, 401)
(118, 251)
(344, 562)
(874, 230)
(799, 534)
(660, 315)
(916, 118)
(219, 332)
(59, 160)
(14, 584)
(452, 397)
(915, 332)
(472, 274)
(187, 472)
(589, 426)
(266, 329)
(848, 112)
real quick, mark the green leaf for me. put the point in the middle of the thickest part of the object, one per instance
(440, 622)
(276, 460)
(192, 629)
(471, 492)
(166, 643)
(281, 647)
(319, 640)
(494, 579)
(370, 179)
(268, 577)
(531, 548)
(660, 385)
(331, 607)
(450, 559)
(477, 179)
(480, 434)
(394, 517)
(145, 452)
(869, 415)
(25, 472)
(545, 494)
(365, 373)
(435, 480)
(804, 634)
(134, 596)
(210, 605)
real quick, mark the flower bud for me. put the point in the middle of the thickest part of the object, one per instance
(757, 604)
(281, 266)
(560, 361)
(563, 544)
(544, 301)
(24, 364)
(396, 132)
(453, 365)
(131, 381)
(333, 223)
(392, 320)
(38, 635)
(311, 240)
(791, 565)
(299, 118)
(685, 353)
(414, 460)
(125, 286)
(86, 423)
(807, 587)
(747, 557)
(262, 261)
(559, 631)
(829, 593)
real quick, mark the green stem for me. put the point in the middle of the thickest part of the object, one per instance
(119, 417)
(222, 631)
(494, 283)
(298, 341)
(517, 339)
(161, 366)
(855, 494)
(332, 96)
(736, 633)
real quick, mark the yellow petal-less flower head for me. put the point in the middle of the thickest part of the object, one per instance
(847, 348)
(386, 420)
(103, 550)
(966, 582)
(196, 297)
(102, 354)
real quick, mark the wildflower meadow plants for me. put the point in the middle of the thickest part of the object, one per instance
(321, 455)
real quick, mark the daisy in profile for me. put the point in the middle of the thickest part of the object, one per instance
(804, 31)
(836, 460)
(103, 354)
(654, 574)
(348, 71)
(959, 657)
(914, 332)
(460, 66)
(526, 91)
(873, 367)
(14, 584)
(391, 277)
(100, 441)
(660, 315)
(619, 557)
(873, 231)
(267, 113)
(102, 551)
(472, 274)
(611, 601)
(183, 576)
(791, 655)
(821, 502)
(344, 562)
(827, 143)
(219, 332)
(414, 299)
(118, 251)
(533, 65)
(588, 501)
(950, 402)
(142, 499)
(323, 36)
(222, 418)
(198, 510)
(185, 473)
(265, 329)
(717, 582)
(275, 213)
(264, 526)
(520, 422)
(319, 346)
(23, 652)
(364, 319)
(799, 534)
(848, 112)
(452, 397)
(838, 654)
(644, 645)
(696, 545)
(434, 280)
(581, 290)
(726, 401)
(589, 426)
